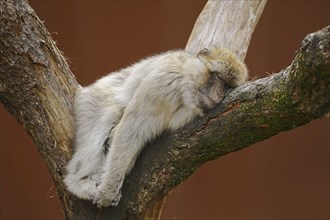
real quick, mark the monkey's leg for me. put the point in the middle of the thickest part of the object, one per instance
(130, 136)
(85, 168)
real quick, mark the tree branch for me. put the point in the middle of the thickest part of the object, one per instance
(37, 88)
(248, 114)
(226, 23)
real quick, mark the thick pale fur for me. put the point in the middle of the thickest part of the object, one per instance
(128, 108)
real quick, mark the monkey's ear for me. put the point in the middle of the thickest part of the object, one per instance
(203, 52)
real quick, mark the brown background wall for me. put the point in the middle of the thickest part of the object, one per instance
(285, 177)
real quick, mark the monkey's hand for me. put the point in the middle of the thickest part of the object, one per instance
(108, 194)
(85, 188)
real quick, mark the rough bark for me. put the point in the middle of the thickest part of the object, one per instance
(37, 88)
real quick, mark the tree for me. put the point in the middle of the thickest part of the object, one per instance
(37, 87)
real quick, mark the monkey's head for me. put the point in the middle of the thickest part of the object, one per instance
(225, 64)
(225, 71)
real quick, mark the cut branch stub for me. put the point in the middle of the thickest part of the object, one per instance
(227, 24)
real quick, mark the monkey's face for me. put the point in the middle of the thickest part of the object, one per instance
(213, 91)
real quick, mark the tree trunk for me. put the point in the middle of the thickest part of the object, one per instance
(37, 88)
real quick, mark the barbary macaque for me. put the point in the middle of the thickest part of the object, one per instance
(119, 113)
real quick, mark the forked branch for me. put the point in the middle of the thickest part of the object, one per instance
(37, 88)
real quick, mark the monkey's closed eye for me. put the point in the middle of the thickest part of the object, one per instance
(227, 87)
